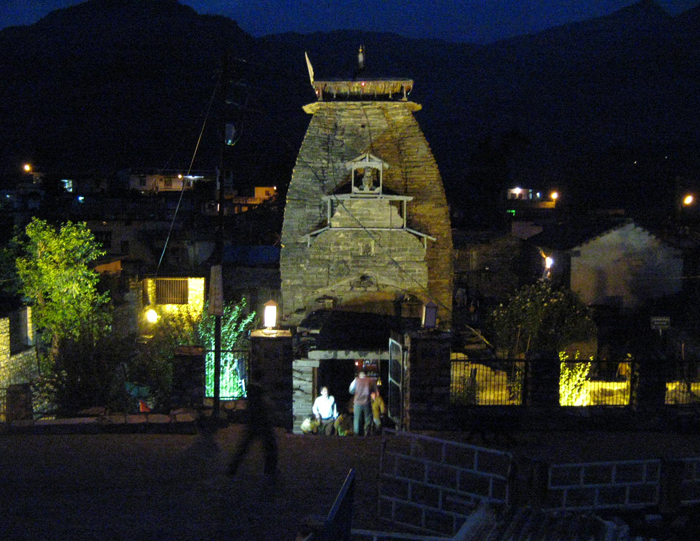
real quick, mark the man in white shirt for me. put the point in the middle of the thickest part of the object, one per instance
(325, 411)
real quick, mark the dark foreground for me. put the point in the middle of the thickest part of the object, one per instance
(153, 487)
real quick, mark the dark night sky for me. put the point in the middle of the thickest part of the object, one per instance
(477, 21)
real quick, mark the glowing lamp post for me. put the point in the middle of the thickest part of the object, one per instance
(270, 317)
(687, 201)
(548, 263)
(152, 316)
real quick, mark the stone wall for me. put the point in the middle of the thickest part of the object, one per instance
(15, 367)
(303, 393)
(338, 133)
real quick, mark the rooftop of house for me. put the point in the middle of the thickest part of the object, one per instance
(575, 233)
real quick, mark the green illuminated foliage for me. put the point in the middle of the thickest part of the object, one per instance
(538, 317)
(235, 324)
(154, 363)
(573, 379)
(53, 269)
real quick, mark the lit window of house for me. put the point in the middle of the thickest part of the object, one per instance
(172, 291)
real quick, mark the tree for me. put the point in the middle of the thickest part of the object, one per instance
(53, 269)
(538, 317)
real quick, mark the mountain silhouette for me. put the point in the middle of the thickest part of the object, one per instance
(606, 109)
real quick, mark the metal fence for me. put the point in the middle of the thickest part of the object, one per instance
(683, 382)
(501, 382)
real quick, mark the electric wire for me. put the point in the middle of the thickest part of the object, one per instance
(189, 169)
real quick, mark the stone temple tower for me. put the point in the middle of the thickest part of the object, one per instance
(366, 220)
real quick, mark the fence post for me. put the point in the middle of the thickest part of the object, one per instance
(650, 384)
(542, 379)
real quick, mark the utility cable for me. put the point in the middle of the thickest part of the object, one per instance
(189, 169)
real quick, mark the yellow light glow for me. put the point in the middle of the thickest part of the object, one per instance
(517, 191)
(270, 314)
(688, 200)
(554, 196)
(548, 262)
(152, 316)
(27, 168)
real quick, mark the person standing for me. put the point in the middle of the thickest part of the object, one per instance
(361, 387)
(378, 410)
(260, 427)
(325, 411)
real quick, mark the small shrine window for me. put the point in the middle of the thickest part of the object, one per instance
(367, 174)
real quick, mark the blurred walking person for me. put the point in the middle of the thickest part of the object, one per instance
(259, 426)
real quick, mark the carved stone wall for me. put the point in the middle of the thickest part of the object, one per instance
(338, 133)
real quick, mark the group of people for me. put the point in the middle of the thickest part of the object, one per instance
(368, 412)
(368, 408)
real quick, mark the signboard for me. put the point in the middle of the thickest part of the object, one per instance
(660, 323)
(216, 292)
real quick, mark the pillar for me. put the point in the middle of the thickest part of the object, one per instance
(271, 366)
(427, 380)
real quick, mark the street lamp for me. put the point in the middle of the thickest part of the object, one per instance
(152, 316)
(548, 263)
(686, 201)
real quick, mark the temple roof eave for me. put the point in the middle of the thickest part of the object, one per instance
(313, 108)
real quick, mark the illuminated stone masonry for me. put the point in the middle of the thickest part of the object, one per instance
(366, 219)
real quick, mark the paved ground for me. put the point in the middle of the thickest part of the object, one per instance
(157, 487)
(153, 487)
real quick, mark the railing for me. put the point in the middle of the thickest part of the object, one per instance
(336, 526)
(372, 535)
(501, 382)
